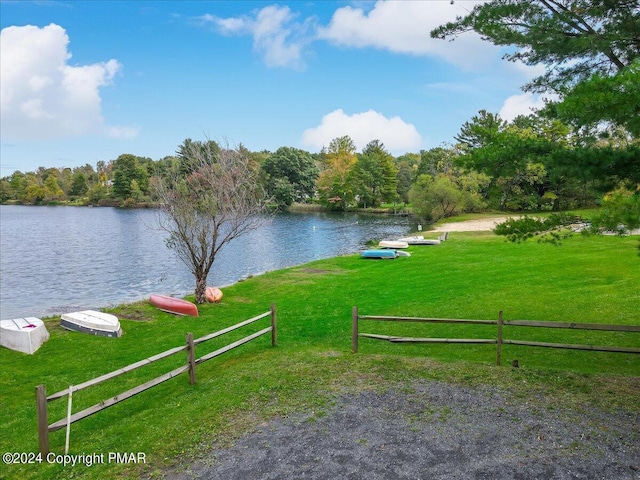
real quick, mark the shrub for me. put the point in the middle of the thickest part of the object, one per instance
(552, 229)
(620, 212)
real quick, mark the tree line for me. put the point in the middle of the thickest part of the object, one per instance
(581, 149)
(529, 164)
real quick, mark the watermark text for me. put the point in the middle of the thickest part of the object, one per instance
(72, 460)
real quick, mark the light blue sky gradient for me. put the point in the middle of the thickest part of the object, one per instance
(84, 81)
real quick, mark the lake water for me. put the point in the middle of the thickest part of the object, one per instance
(59, 259)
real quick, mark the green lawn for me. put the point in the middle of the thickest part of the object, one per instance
(586, 279)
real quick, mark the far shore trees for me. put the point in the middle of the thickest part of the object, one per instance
(447, 194)
(212, 199)
(130, 177)
(291, 176)
(335, 182)
(375, 176)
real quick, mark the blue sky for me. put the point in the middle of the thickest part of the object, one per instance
(84, 81)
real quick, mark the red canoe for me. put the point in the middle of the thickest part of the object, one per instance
(173, 305)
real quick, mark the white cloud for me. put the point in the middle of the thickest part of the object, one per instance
(42, 96)
(121, 132)
(523, 104)
(281, 38)
(277, 36)
(398, 136)
(228, 26)
(404, 27)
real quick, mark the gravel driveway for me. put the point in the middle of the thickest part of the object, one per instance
(434, 430)
(481, 225)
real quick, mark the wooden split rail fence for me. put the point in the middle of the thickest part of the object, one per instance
(499, 340)
(42, 399)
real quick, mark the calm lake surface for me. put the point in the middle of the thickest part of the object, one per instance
(59, 259)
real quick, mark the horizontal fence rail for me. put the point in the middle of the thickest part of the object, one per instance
(426, 320)
(115, 373)
(571, 346)
(42, 399)
(117, 399)
(499, 340)
(393, 339)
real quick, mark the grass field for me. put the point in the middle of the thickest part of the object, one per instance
(586, 279)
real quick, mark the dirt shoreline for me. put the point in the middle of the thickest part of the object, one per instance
(433, 430)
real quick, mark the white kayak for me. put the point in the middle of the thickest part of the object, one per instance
(393, 244)
(419, 240)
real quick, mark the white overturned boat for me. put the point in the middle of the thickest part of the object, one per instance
(419, 240)
(24, 335)
(392, 244)
(92, 322)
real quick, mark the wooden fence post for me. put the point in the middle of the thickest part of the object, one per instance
(43, 420)
(191, 358)
(274, 331)
(354, 330)
(499, 342)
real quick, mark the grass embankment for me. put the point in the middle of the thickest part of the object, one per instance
(587, 279)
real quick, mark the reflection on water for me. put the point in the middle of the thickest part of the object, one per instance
(57, 259)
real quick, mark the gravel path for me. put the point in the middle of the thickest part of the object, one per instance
(434, 431)
(485, 225)
(482, 225)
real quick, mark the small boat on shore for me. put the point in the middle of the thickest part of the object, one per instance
(387, 253)
(213, 294)
(393, 244)
(419, 240)
(177, 306)
(24, 335)
(92, 322)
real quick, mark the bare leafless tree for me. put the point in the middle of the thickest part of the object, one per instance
(213, 198)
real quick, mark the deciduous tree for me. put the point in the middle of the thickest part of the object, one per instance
(52, 189)
(375, 175)
(440, 196)
(80, 185)
(216, 199)
(126, 169)
(293, 167)
(335, 183)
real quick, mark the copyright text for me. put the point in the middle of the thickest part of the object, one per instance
(86, 459)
